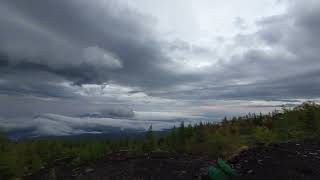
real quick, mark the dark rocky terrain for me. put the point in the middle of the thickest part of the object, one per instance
(293, 160)
(122, 165)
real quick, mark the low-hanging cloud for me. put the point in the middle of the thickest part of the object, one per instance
(112, 112)
(58, 125)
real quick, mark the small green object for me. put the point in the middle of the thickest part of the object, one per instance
(216, 174)
(227, 168)
(222, 171)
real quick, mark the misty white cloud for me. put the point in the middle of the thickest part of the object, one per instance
(58, 125)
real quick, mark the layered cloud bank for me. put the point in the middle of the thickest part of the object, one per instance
(58, 125)
(125, 64)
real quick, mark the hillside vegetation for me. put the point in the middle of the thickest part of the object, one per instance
(205, 139)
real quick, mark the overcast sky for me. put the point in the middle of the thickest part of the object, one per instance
(78, 66)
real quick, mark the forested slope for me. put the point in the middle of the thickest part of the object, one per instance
(211, 140)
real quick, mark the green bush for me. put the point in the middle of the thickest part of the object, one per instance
(263, 135)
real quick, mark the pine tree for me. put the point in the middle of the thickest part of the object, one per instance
(149, 143)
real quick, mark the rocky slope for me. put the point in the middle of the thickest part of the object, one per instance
(292, 160)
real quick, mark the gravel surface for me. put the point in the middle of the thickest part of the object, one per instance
(120, 165)
(293, 160)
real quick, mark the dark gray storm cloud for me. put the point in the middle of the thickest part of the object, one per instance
(106, 59)
(95, 43)
(289, 64)
(83, 42)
